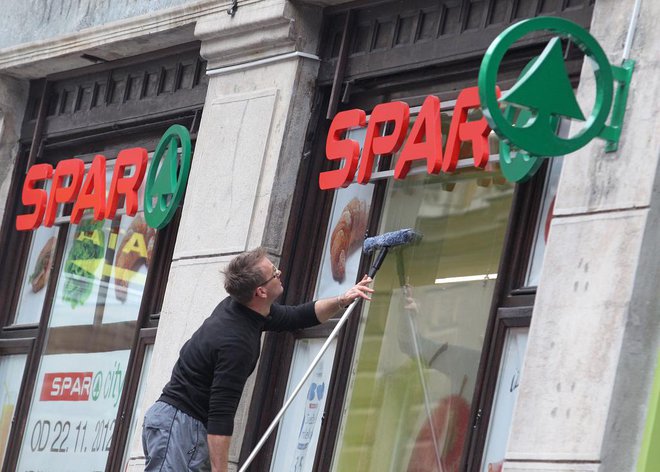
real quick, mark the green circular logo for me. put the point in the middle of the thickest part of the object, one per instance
(167, 176)
(521, 166)
(542, 95)
(97, 385)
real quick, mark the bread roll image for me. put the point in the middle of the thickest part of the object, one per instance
(347, 236)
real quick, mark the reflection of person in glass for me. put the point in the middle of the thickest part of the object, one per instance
(440, 440)
(190, 426)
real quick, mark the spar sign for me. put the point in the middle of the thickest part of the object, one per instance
(525, 117)
(166, 181)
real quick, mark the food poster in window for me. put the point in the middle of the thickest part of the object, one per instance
(37, 272)
(346, 231)
(506, 393)
(104, 267)
(133, 251)
(419, 347)
(11, 375)
(301, 425)
(132, 256)
(72, 416)
(82, 272)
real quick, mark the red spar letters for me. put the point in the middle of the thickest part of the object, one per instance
(68, 186)
(424, 142)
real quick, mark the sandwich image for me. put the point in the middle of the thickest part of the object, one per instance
(85, 256)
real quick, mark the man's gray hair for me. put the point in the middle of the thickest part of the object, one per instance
(243, 274)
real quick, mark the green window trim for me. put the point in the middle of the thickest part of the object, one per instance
(649, 458)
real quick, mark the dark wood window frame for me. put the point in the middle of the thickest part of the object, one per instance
(314, 210)
(512, 301)
(40, 145)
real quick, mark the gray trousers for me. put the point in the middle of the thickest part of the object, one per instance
(174, 441)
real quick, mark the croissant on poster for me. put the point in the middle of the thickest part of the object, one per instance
(134, 250)
(347, 236)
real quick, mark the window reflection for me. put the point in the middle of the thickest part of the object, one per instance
(419, 349)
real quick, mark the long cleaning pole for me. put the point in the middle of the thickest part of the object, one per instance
(411, 313)
(311, 368)
(427, 401)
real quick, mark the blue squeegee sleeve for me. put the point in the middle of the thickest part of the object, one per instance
(394, 238)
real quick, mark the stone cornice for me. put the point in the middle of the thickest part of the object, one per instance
(264, 29)
(112, 40)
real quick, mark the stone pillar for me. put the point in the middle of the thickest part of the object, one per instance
(13, 100)
(595, 329)
(262, 68)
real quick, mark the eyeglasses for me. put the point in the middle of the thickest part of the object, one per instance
(276, 275)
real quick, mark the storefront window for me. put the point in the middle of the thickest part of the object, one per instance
(90, 333)
(299, 431)
(420, 343)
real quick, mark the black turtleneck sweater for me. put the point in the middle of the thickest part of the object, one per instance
(208, 379)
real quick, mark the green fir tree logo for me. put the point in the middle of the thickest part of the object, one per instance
(545, 88)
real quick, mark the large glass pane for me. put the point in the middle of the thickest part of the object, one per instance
(421, 339)
(90, 332)
(299, 430)
(11, 375)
